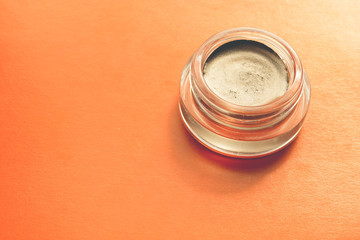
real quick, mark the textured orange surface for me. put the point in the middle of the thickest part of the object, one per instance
(91, 142)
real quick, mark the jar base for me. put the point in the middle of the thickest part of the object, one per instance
(236, 148)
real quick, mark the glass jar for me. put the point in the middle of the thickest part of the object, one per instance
(243, 131)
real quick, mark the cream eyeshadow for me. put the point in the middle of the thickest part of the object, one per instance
(246, 73)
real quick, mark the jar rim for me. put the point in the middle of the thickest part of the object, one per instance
(253, 34)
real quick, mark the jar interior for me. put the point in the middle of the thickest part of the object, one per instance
(246, 73)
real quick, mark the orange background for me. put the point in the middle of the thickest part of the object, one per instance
(92, 145)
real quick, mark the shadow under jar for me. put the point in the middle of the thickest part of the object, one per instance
(247, 128)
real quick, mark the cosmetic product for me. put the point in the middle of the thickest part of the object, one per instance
(244, 93)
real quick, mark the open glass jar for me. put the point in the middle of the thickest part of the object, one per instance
(243, 131)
